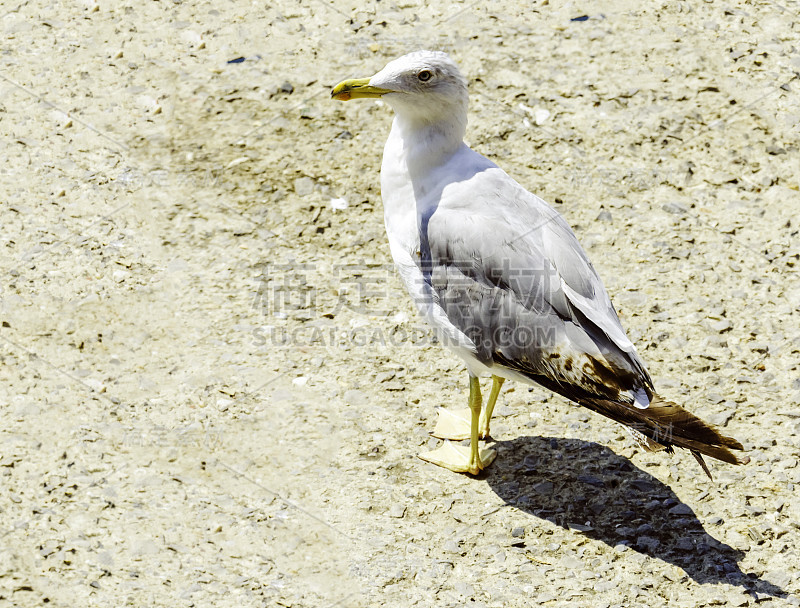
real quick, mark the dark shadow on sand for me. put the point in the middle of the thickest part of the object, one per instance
(586, 487)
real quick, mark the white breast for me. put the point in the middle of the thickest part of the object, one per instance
(403, 212)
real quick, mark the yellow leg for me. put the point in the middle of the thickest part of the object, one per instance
(457, 424)
(475, 405)
(458, 458)
(486, 417)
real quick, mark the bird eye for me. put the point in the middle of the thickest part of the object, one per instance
(424, 75)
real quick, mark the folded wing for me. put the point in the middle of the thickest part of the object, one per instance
(514, 279)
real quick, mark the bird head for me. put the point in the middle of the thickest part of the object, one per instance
(424, 86)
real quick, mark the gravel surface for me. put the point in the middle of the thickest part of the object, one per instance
(214, 387)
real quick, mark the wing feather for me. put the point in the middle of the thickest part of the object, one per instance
(513, 278)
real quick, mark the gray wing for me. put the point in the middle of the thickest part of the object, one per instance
(513, 278)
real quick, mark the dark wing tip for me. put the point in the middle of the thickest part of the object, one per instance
(699, 458)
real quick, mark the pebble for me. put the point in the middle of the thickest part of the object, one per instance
(451, 546)
(303, 186)
(355, 397)
(685, 544)
(721, 326)
(643, 485)
(464, 588)
(721, 418)
(648, 543)
(781, 578)
(675, 208)
(591, 480)
(681, 509)
(540, 116)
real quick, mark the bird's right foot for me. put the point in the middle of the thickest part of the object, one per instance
(458, 458)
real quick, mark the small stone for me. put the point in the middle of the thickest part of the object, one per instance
(681, 509)
(781, 578)
(648, 543)
(685, 544)
(591, 480)
(721, 326)
(237, 161)
(303, 186)
(96, 385)
(464, 588)
(540, 116)
(355, 397)
(675, 208)
(643, 485)
(721, 418)
(503, 411)
(604, 216)
(529, 464)
(518, 532)
(286, 87)
(397, 511)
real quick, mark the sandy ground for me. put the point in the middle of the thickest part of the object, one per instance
(214, 387)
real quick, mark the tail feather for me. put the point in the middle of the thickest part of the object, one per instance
(668, 424)
(662, 424)
(699, 458)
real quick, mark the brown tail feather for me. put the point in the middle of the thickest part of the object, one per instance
(699, 458)
(670, 425)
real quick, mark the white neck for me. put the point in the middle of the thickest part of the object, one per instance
(414, 152)
(425, 144)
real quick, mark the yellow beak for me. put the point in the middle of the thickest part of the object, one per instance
(356, 89)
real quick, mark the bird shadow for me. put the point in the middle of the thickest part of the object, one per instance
(586, 487)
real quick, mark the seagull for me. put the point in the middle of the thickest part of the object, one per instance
(501, 277)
